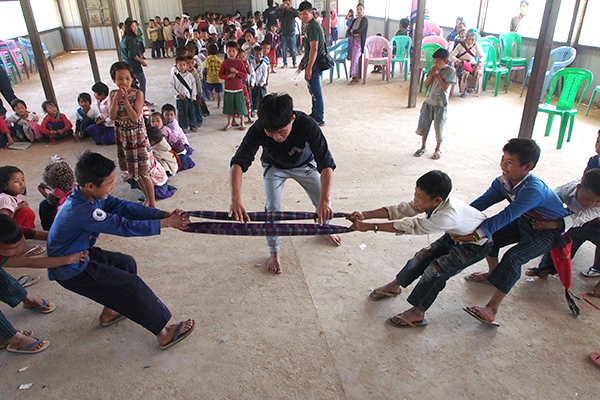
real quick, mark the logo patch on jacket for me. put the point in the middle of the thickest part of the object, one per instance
(99, 215)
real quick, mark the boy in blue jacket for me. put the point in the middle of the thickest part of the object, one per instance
(530, 199)
(106, 277)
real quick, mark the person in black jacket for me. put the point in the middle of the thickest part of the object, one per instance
(293, 147)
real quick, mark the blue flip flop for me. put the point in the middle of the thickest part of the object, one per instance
(40, 309)
(178, 338)
(28, 280)
(25, 350)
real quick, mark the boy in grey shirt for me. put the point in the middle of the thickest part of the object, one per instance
(441, 76)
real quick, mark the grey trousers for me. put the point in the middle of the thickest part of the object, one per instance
(307, 176)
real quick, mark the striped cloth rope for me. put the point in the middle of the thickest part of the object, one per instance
(260, 216)
(266, 229)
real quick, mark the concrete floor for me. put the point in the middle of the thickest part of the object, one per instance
(311, 333)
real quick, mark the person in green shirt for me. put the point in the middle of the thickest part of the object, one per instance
(130, 53)
(314, 45)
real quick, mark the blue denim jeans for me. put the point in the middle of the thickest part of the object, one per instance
(436, 264)
(288, 42)
(314, 88)
(186, 116)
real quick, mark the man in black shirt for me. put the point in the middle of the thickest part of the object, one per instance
(287, 16)
(293, 147)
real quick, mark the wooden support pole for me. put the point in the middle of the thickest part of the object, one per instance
(129, 10)
(115, 27)
(89, 42)
(538, 72)
(577, 22)
(38, 52)
(386, 27)
(143, 21)
(483, 6)
(327, 22)
(415, 72)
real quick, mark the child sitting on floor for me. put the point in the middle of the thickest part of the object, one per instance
(55, 125)
(158, 121)
(103, 128)
(57, 182)
(12, 185)
(106, 277)
(441, 76)
(162, 151)
(12, 243)
(5, 136)
(436, 263)
(24, 125)
(85, 115)
(170, 120)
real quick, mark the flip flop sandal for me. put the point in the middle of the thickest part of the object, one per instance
(591, 273)
(113, 321)
(178, 338)
(34, 251)
(41, 309)
(25, 350)
(406, 323)
(541, 273)
(28, 280)
(595, 357)
(385, 295)
(480, 316)
(226, 128)
(477, 277)
(437, 155)
(419, 152)
(4, 343)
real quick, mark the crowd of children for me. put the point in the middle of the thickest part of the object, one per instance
(152, 147)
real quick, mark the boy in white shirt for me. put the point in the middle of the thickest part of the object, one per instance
(261, 70)
(182, 86)
(436, 263)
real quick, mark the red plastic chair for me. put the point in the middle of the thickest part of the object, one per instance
(373, 54)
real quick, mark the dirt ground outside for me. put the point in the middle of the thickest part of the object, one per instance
(311, 332)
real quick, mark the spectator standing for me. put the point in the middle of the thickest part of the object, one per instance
(287, 16)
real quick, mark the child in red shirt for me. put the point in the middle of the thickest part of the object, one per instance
(233, 71)
(55, 125)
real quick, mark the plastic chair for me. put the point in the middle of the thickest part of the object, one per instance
(592, 99)
(512, 62)
(573, 80)
(373, 54)
(16, 55)
(563, 57)
(492, 67)
(402, 44)
(340, 51)
(27, 45)
(9, 67)
(427, 49)
(435, 39)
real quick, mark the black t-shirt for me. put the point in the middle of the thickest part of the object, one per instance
(305, 143)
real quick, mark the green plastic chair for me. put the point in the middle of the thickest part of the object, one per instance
(492, 67)
(428, 49)
(402, 44)
(591, 99)
(497, 47)
(573, 79)
(338, 53)
(512, 60)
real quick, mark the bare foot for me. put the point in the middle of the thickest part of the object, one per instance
(392, 287)
(335, 240)
(168, 333)
(274, 263)
(107, 314)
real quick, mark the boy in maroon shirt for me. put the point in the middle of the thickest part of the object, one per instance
(233, 71)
